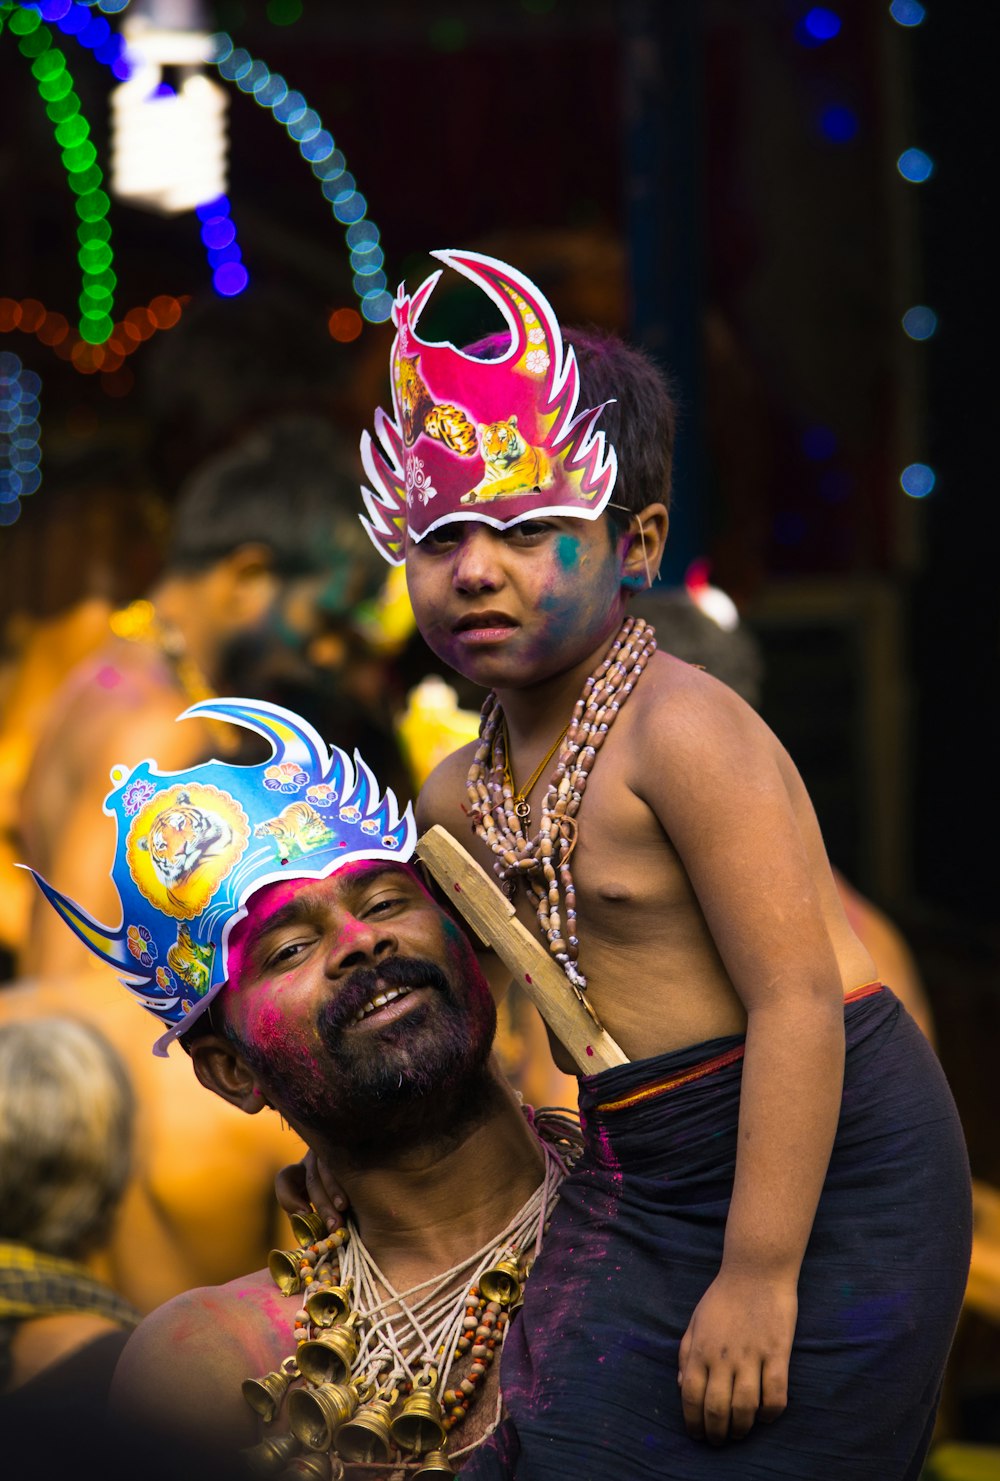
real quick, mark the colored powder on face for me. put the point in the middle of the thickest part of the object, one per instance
(567, 551)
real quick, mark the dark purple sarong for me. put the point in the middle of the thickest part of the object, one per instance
(589, 1369)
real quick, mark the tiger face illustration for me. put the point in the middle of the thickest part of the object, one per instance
(181, 837)
(298, 829)
(513, 466)
(182, 843)
(415, 401)
(192, 963)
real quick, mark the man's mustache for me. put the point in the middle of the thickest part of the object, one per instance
(367, 982)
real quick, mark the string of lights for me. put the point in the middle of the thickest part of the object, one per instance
(36, 43)
(317, 147)
(919, 322)
(218, 231)
(20, 453)
(53, 330)
(838, 123)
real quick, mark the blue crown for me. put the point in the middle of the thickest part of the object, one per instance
(194, 845)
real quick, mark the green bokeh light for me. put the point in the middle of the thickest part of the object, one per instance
(71, 131)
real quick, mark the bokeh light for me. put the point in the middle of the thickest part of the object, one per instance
(818, 25)
(819, 443)
(914, 165)
(838, 123)
(920, 322)
(345, 325)
(917, 480)
(907, 12)
(318, 148)
(218, 232)
(79, 157)
(20, 453)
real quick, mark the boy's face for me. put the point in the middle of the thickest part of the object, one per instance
(508, 608)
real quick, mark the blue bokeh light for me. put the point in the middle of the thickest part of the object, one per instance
(907, 12)
(820, 24)
(318, 148)
(230, 279)
(838, 123)
(920, 322)
(819, 443)
(914, 165)
(20, 453)
(917, 480)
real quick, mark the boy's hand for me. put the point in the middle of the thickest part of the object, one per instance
(304, 1183)
(734, 1356)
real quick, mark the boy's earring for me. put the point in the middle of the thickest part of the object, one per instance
(645, 557)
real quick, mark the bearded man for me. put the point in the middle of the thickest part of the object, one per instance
(338, 993)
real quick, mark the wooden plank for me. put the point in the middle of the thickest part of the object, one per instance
(491, 915)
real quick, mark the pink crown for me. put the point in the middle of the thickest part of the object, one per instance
(499, 441)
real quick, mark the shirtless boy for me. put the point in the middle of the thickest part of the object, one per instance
(778, 1231)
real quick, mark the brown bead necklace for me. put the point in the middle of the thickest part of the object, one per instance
(542, 862)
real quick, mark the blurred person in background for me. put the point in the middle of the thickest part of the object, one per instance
(266, 566)
(66, 1133)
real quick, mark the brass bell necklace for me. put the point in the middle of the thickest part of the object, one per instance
(500, 812)
(378, 1363)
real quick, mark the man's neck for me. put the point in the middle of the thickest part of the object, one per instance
(424, 1209)
(181, 608)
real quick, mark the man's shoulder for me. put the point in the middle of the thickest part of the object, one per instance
(208, 1340)
(228, 1330)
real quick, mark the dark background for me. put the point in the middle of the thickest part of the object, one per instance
(661, 169)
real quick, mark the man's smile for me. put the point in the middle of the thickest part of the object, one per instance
(386, 1005)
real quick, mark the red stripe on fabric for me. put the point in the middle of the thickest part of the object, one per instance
(710, 1066)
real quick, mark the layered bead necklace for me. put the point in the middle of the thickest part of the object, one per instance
(378, 1366)
(499, 810)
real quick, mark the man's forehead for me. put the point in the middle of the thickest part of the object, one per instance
(284, 896)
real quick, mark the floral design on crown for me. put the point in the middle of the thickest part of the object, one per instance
(499, 441)
(193, 846)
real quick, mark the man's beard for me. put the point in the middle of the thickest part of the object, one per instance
(409, 1082)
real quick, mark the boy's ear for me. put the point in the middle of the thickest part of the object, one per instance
(220, 1068)
(645, 540)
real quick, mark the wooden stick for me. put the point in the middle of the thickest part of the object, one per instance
(491, 915)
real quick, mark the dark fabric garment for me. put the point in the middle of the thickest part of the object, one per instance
(589, 1368)
(84, 1376)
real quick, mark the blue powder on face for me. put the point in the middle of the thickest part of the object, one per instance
(567, 548)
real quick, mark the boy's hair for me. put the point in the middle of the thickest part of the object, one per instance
(639, 421)
(291, 485)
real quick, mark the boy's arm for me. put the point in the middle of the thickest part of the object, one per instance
(718, 789)
(443, 800)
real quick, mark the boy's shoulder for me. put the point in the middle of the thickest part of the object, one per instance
(442, 797)
(679, 707)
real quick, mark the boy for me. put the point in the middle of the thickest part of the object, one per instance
(664, 841)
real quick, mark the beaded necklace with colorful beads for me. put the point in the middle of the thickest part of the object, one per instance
(542, 862)
(376, 1365)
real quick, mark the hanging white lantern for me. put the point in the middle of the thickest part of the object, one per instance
(169, 148)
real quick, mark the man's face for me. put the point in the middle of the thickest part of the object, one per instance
(357, 1002)
(303, 633)
(508, 608)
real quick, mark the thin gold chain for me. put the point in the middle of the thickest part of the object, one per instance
(521, 794)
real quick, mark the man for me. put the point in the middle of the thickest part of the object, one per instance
(305, 967)
(265, 560)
